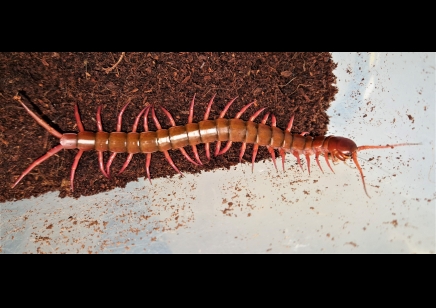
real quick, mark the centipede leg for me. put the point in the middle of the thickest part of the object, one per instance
(255, 147)
(101, 163)
(148, 159)
(182, 150)
(238, 115)
(327, 160)
(209, 106)
(73, 168)
(207, 149)
(270, 149)
(119, 123)
(308, 162)
(100, 153)
(173, 123)
(206, 117)
(126, 163)
(50, 153)
(158, 126)
(134, 127)
(168, 158)
(241, 153)
(317, 160)
(283, 155)
(297, 155)
(197, 157)
(190, 119)
(222, 114)
(217, 147)
(78, 120)
(147, 166)
(244, 145)
(226, 148)
(273, 156)
(109, 163)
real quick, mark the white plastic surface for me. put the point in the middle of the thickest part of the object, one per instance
(268, 212)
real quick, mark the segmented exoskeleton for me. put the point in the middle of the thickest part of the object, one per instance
(206, 131)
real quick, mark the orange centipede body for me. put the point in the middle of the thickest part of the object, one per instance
(191, 134)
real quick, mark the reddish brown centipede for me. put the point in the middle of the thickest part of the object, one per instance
(206, 131)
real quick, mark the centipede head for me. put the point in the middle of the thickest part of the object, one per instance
(342, 148)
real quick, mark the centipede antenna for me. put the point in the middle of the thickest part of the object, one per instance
(370, 147)
(40, 121)
(356, 162)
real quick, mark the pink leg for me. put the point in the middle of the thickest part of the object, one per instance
(41, 122)
(207, 148)
(134, 127)
(222, 114)
(100, 153)
(327, 160)
(126, 163)
(167, 156)
(206, 117)
(197, 157)
(73, 168)
(209, 106)
(158, 126)
(101, 163)
(173, 123)
(78, 120)
(217, 148)
(99, 125)
(182, 150)
(244, 145)
(317, 160)
(120, 116)
(273, 121)
(146, 119)
(308, 162)
(191, 111)
(169, 116)
(226, 148)
(270, 149)
(148, 159)
(256, 114)
(119, 123)
(241, 153)
(147, 166)
(255, 147)
(243, 109)
(79, 154)
(109, 163)
(238, 115)
(50, 153)
(289, 127)
(190, 119)
(298, 159)
(283, 154)
(273, 156)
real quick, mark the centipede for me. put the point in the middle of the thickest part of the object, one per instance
(177, 137)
